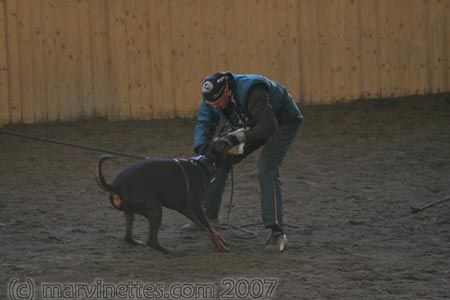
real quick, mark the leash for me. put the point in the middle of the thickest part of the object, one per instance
(238, 231)
(45, 140)
(415, 210)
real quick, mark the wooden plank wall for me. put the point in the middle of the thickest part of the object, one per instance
(4, 88)
(63, 60)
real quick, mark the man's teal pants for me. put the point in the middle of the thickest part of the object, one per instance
(270, 161)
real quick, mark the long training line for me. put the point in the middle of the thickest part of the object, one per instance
(45, 140)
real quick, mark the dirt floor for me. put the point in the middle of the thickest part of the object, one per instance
(349, 180)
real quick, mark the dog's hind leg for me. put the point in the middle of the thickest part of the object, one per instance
(129, 220)
(154, 217)
(154, 222)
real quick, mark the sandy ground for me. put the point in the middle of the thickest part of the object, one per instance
(350, 180)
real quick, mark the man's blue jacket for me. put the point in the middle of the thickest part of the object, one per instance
(281, 101)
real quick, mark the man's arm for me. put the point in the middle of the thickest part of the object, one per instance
(260, 109)
(265, 121)
(207, 122)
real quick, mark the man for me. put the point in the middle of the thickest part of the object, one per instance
(269, 117)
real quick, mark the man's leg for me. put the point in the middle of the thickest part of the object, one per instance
(212, 198)
(214, 191)
(271, 159)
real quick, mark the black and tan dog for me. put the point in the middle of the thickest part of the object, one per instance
(144, 187)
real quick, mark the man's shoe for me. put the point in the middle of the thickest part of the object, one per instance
(189, 226)
(277, 242)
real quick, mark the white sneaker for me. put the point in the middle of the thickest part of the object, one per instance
(276, 243)
(189, 226)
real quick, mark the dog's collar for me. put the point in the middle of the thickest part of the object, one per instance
(186, 178)
(206, 168)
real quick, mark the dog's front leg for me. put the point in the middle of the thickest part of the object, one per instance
(129, 219)
(199, 219)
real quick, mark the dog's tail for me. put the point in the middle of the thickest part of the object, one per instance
(99, 176)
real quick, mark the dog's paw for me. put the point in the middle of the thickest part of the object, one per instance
(220, 243)
(222, 247)
(160, 248)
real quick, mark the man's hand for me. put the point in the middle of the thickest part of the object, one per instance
(225, 143)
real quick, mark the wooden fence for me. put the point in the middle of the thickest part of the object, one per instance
(63, 60)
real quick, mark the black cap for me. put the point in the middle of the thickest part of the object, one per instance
(214, 85)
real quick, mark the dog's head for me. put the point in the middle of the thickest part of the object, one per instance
(206, 163)
(211, 157)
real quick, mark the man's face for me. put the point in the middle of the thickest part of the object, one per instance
(224, 100)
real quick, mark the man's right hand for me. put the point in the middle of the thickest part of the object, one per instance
(224, 144)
